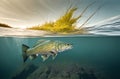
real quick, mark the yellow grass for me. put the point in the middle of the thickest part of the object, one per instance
(65, 24)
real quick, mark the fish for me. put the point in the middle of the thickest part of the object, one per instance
(45, 48)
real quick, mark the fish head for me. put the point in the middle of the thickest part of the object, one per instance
(66, 46)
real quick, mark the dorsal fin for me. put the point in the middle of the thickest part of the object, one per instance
(40, 42)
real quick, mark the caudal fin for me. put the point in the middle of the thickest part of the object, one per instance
(24, 54)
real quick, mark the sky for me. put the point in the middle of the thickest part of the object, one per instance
(26, 13)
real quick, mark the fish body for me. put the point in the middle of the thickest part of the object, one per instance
(45, 48)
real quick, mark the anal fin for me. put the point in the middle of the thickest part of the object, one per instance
(32, 57)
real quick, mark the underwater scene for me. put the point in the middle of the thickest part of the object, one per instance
(91, 57)
(59, 39)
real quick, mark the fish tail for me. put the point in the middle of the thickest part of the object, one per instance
(24, 54)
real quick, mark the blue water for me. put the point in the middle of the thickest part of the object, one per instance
(101, 53)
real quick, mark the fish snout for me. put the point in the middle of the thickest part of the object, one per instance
(69, 46)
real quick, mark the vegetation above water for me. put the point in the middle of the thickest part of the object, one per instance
(4, 25)
(65, 24)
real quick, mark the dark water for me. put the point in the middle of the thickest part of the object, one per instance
(99, 53)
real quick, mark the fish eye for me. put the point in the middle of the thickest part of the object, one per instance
(68, 44)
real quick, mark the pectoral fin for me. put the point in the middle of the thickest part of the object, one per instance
(44, 57)
(54, 54)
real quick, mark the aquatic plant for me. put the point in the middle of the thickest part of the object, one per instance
(64, 71)
(65, 24)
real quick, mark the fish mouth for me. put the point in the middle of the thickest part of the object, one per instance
(70, 47)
